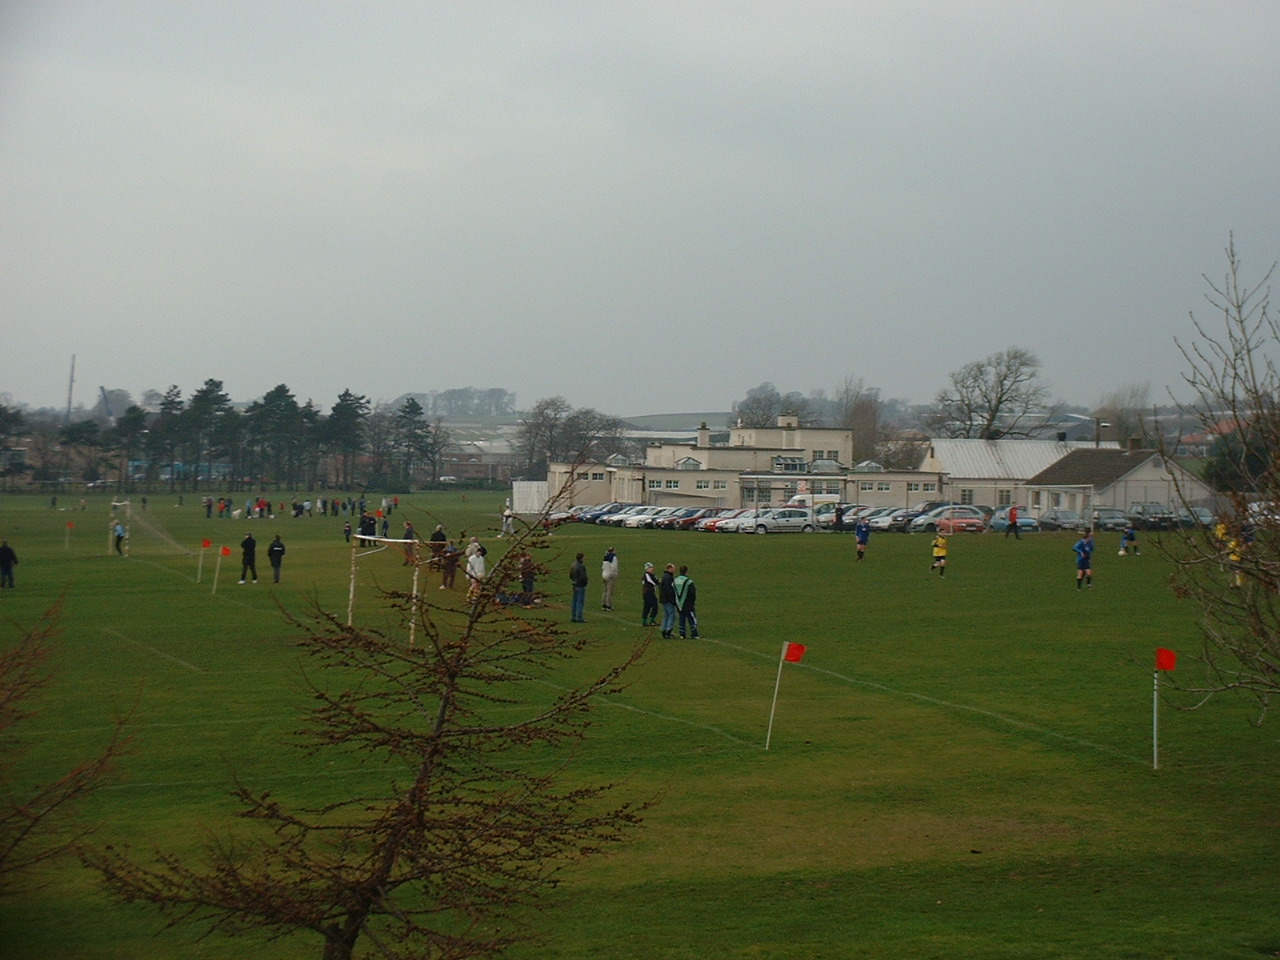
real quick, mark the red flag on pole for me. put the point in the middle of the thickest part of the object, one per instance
(70, 524)
(794, 654)
(226, 551)
(206, 544)
(1165, 659)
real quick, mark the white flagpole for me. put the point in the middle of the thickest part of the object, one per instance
(1155, 720)
(776, 684)
(216, 570)
(200, 566)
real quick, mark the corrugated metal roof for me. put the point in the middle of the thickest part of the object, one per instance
(999, 459)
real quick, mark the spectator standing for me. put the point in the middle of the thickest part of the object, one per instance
(667, 597)
(608, 578)
(508, 521)
(410, 548)
(118, 530)
(649, 597)
(8, 560)
(449, 557)
(686, 603)
(248, 558)
(578, 578)
(275, 554)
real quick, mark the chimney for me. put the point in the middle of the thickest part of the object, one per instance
(704, 435)
(1134, 445)
(1062, 436)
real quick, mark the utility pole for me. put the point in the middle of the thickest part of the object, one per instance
(70, 384)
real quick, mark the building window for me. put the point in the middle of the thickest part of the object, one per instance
(720, 485)
(966, 496)
(883, 486)
(833, 454)
(583, 476)
(867, 485)
(673, 484)
(818, 454)
(702, 485)
(1057, 499)
(930, 488)
(1035, 500)
(913, 486)
(655, 484)
(765, 494)
(597, 476)
(1004, 498)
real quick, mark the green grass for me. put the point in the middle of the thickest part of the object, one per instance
(960, 767)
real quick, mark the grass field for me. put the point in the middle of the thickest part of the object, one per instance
(960, 767)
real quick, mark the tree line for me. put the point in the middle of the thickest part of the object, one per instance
(202, 440)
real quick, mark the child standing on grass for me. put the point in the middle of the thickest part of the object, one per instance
(939, 555)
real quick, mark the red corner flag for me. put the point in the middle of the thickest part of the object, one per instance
(795, 653)
(226, 551)
(206, 544)
(1165, 659)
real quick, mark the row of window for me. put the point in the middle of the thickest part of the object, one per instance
(764, 494)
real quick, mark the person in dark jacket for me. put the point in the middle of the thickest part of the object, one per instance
(275, 553)
(649, 597)
(8, 560)
(667, 597)
(248, 558)
(578, 577)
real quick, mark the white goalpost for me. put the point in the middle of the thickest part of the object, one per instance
(360, 549)
(126, 523)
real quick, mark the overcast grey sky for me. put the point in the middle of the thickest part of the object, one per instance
(645, 207)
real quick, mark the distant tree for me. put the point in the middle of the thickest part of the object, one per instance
(200, 421)
(1001, 396)
(344, 432)
(465, 815)
(82, 440)
(1128, 409)
(538, 438)
(276, 436)
(763, 405)
(858, 409)
(167, 434)
(1232, 573)
(38, 819)
(126, 437)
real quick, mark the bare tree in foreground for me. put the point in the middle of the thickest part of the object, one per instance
(475, 815)
(37, 820)
(1231, 569)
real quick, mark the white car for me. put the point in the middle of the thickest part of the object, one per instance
(731, 526)
(646, 518)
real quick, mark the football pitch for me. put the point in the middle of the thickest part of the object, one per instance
(960, 767)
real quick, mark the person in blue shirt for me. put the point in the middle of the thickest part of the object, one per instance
(861, 534)
(1129, 540)
(1084, 560)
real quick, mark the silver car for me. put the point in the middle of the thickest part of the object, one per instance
(781, 520)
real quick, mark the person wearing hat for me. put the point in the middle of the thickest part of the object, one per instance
(649, 597)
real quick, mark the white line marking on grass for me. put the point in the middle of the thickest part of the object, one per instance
(158, 653)
(935, 701)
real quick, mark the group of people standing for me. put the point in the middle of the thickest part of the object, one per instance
(674, 593)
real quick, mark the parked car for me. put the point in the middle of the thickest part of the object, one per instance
(1061, 519)
(647, 518)
(1109, 518)
(682, 519)
(1196, 517)
(826, 518)
(593, 514)
(709, 524)
(956, 518)
(886, 519)
(1150, 515)
(619, 517)
(731, 525)
(781, 520)
(1000, 521)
